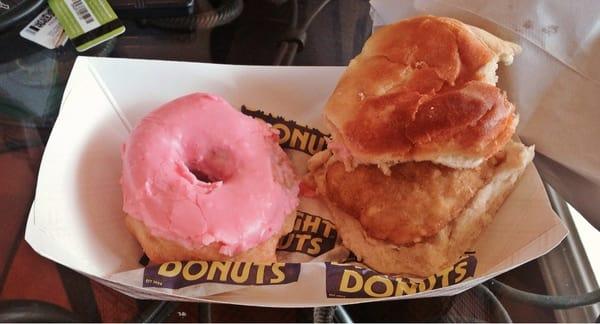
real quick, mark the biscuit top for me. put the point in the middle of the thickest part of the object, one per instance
(423, 89)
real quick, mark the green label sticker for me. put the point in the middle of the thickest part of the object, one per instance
(87, 22)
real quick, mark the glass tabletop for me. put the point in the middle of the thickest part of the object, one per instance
(32, 81)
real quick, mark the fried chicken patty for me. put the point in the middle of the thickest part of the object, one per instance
(415, 202)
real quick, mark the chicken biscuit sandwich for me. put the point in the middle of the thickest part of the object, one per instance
(421, 155)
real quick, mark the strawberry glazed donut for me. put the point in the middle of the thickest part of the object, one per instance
(202, 181)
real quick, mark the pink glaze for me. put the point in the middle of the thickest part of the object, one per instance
(241, 206)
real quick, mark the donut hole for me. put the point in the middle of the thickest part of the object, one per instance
(207, 172)
(216, 166)
(202, 176)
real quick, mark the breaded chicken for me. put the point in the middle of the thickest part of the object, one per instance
(415, 202)
(452, 206)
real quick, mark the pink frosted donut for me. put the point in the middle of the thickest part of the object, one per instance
(203, 181)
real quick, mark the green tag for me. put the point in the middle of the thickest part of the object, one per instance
(87, 22)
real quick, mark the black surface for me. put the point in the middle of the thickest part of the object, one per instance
(80, 294)
(152, 8)
(26, 311)
(20, 12)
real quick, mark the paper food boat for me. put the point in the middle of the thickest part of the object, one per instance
(77, 219)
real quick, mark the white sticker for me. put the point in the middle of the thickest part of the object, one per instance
(44, 30)
(83, 14)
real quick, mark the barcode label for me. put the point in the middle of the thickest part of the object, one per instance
(82, 11)
(39, 22)
(83, 14)
(44, 30)
(32, 30)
